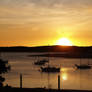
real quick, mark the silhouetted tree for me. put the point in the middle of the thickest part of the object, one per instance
(4, 67)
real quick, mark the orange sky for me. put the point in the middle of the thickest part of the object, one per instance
(43, 22)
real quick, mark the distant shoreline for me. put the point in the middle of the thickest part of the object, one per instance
(60, 55)
(70, 51)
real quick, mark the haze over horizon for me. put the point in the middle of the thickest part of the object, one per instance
(43, 22)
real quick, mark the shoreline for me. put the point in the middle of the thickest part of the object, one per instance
(40, 90)
(61, 55)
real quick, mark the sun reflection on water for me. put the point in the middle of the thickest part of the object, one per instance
(63, 73)
(64, 76)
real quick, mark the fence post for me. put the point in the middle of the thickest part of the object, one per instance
(20, 80)
(58, 82)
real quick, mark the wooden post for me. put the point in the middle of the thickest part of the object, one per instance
(58, 82)
(20, 80)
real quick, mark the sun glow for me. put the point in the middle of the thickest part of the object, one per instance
(64, 42)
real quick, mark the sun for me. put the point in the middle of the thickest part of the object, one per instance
(64, 42)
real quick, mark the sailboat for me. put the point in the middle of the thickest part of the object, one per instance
(50, 69)
(83, 66)
(41, 62)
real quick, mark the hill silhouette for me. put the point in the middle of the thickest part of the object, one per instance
(68, 51)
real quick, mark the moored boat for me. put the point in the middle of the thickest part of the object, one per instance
(39, 63)
(83, 66)
(50, 69)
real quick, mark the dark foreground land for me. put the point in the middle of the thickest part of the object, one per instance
(38, 90)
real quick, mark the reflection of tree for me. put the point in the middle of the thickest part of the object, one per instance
(4, 67)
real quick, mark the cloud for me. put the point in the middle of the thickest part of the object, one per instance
(46, 3)
(52, 12)
(44, 18)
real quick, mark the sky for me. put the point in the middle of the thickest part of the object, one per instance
(44, 22)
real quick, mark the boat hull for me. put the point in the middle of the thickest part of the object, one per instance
(50, 69)
(83, 66)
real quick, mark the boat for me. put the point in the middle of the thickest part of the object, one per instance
(50, 69)
(41, 62)
(83, 66)
(44, 60)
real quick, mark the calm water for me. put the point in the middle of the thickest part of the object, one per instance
(32, 77)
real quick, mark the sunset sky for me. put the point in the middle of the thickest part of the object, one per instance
(43, 22)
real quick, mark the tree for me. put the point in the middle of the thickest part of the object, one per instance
(4, 67)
